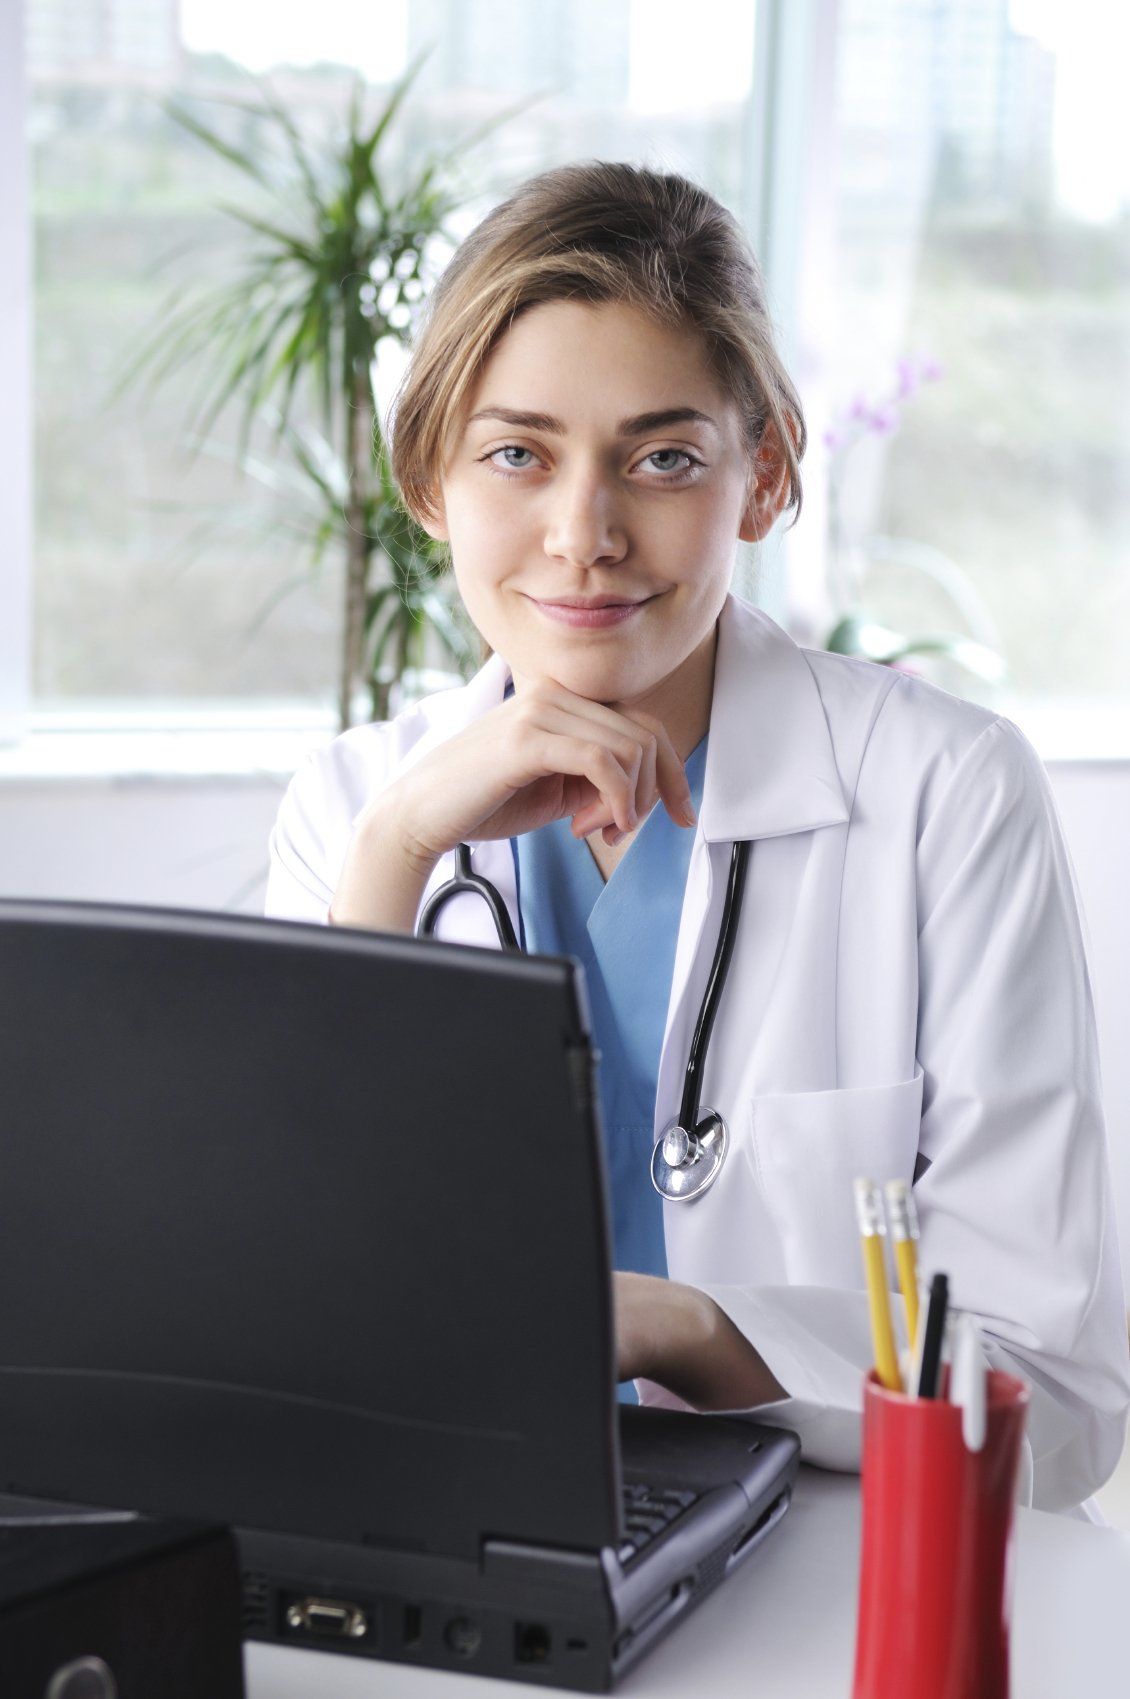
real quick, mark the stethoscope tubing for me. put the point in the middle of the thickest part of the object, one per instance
(723, 951)
(467, 880)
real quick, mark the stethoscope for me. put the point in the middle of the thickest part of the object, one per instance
(689, 1153)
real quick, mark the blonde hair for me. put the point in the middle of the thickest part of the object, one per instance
(594, 231)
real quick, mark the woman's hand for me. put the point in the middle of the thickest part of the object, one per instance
(677, 1336)
(537, 757)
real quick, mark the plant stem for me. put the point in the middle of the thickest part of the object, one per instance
(357, 544)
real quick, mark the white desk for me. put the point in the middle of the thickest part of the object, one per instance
(784, 1626)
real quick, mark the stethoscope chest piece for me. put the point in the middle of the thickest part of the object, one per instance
(686, 1164)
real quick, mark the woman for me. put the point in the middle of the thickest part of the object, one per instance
(593, 416)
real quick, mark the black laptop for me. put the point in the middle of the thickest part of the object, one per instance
(304, 1230)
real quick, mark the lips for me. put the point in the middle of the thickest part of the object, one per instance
(593, 602)
(594, 615)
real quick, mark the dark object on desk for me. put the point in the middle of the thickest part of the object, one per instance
(933, 1337)
(310, 1232)
(116, 1609)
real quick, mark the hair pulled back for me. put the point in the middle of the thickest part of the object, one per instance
(594, 231)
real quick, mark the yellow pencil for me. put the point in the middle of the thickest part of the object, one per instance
(904, 1231)
(872, 1228)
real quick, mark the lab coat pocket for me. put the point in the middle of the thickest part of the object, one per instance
(809, 1146)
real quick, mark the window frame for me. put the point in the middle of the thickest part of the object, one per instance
(16, 402)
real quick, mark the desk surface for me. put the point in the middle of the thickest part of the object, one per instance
(788, 1618)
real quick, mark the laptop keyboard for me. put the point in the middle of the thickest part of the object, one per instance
(648, 1510)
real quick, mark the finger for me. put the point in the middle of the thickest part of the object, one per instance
(588, 758)
(662, 774)
(646, 792)
(668, 779)
(670, 776)
(628, 743)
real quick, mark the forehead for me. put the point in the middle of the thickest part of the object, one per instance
(593, 363)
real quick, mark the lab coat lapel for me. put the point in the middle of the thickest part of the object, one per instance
(770, 770)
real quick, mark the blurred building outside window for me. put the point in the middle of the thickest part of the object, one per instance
(957, 315)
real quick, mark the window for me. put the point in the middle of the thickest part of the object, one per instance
(158, 580)
(982, 225)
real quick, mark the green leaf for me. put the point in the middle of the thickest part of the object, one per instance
(236, 156)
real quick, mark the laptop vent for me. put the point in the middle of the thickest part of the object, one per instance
(711, 1571)
(256, 1598)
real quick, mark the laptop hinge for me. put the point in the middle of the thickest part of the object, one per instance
(581, 1063)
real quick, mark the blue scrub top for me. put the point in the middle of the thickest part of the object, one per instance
(623, 933)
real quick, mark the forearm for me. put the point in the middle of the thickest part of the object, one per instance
(382, 880)
(678, 1337)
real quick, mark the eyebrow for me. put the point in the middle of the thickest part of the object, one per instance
(636, 426)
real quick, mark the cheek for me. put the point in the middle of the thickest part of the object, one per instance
(480, 526)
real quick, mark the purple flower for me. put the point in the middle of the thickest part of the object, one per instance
(831, 440)
(929, 369)
(909, 376)
(859, 407)
(883, 420)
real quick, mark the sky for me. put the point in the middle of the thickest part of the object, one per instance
(1091, 41)
(372, 37)
(673, 65)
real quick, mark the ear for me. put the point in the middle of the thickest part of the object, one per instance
(768, 487)
(433, 519)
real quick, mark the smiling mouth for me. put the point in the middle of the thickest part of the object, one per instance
(596, 602)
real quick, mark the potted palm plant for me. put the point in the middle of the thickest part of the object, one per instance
(335, 266)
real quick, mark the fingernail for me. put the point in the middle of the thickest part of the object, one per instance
(689, 814)
(619, 838)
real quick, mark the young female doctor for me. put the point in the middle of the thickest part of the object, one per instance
(594, 414)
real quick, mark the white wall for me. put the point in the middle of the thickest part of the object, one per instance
(201, 843)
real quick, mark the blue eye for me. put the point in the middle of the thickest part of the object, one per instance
(514, 465)
(666, 474)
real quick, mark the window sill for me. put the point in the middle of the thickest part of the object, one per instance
(227, 742)
(222, 743)
(1069, 733)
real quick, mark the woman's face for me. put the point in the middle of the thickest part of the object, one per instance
(597, 457)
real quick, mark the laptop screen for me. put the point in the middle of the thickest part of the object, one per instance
(302, 1228)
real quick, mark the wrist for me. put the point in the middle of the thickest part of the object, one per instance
(701, 1356)
(384, 875)
(385, 829)
(679, 1337)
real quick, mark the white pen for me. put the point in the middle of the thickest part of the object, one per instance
(967, 1383)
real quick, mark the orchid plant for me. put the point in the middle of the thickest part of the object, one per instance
(856, 631)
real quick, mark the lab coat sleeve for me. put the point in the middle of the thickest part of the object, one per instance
(1014, 1195)
(298, 884)
(312, 829)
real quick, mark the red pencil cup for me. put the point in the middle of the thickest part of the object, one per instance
(935, 1585)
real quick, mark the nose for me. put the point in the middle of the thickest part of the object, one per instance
(584, 525)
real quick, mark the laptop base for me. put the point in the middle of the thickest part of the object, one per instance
(545, 1615)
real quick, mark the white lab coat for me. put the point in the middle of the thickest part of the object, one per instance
(908, 994)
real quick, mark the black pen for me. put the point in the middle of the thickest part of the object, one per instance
(932, 1340)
